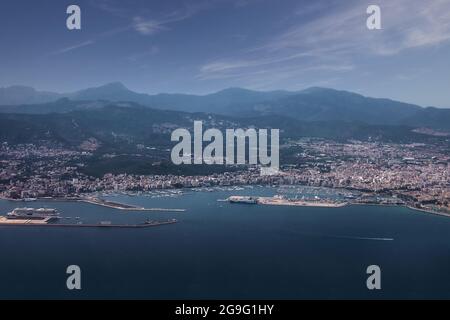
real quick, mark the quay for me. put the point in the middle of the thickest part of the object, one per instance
(32, 223)
(281, 201)
(103, 203)
(274, 201)
(125, 207)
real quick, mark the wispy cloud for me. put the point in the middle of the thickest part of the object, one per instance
(406, 24)
(74, 47)
(331, 41)
(149, 25)
(146, 21)
(143, 25)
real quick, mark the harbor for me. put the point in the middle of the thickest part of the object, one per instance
(134, 253)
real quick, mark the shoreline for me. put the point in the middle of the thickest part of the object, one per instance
(424, 210)
(128, 207)
(437, 213)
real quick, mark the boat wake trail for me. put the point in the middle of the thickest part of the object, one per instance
(361, 238)
(344, 237)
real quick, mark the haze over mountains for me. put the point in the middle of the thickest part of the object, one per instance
(116, 91)
(310, 105)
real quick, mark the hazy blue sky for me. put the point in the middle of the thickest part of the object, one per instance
(201, 46)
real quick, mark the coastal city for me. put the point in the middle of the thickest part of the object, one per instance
(190, 153)
(416, 174)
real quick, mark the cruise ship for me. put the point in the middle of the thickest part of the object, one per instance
(32, 214)
(244, 200)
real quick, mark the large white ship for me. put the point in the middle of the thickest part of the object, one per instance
(32, 214)
(244, 200)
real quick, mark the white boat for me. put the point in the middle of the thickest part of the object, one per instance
(244, 200)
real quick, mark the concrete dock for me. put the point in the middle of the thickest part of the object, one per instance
(5, 221)
(43, 223)
(125, 207)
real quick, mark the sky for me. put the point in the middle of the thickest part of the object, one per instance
(203, 46)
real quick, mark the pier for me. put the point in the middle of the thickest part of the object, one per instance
(99, 225)
(125, 207)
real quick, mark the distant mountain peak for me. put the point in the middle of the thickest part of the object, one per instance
(234, 90)
(114, 86)
(316, 89)
(324, 90)
(114, 91)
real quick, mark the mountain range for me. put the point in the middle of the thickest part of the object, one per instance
(128, 132)
(310, 105)
(219, 102)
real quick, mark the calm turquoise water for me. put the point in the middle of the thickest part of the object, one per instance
(219, 250)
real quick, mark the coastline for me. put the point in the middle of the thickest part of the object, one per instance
(442, 214)
(269, 201)
(404, 206)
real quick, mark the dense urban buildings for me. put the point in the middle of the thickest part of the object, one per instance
(417, 174)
